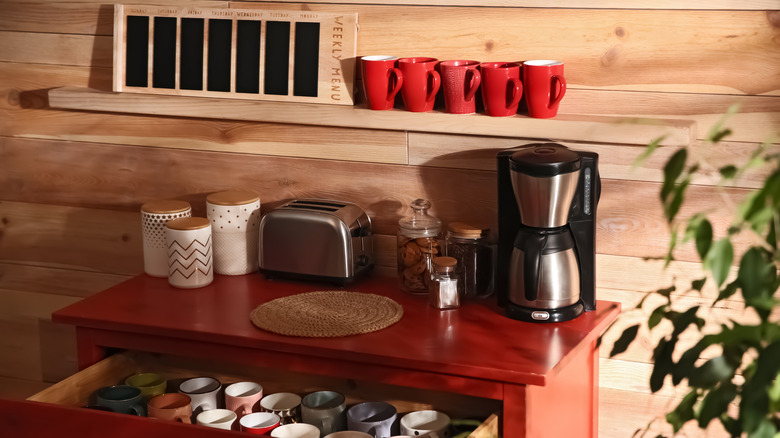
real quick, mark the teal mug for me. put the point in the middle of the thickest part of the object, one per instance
(123, 399)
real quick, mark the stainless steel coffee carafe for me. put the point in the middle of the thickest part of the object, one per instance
(547, 199)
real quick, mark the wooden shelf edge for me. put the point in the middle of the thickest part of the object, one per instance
(601, 129)
(578, 4)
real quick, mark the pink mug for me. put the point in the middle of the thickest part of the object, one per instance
(243, 397)
(382, 80)
(421, 83)
(460, 81)
(501, 88)
(544, 87)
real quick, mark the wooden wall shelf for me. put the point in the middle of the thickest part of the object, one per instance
(599, 129)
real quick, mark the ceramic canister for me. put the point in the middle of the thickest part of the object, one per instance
(154, 215)
(188, 242)
(235, 221)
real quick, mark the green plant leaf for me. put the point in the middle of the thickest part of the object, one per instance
(672, 171)
(703, 238)
(657, 316)
(719, 260)
(717, 132)
(625, 340)
(716, 403)
(683, 412)
(765, 430)
(728, 172)
(755, 275)
(649, 149)
(712, 372)
(755, 403)
(672, 207)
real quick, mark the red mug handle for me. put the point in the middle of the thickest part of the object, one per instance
(435, 85)
(399, 81)
(474, 81)
(518, 92)
(562, 81)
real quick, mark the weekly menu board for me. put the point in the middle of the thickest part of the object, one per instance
(294, 56)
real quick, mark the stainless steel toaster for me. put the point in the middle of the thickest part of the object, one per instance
(316, 239)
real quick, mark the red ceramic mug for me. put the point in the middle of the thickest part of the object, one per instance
(421, 83)
(260, 423)
(544, 87)
(460, 80)
(501, 88)
(382, 80)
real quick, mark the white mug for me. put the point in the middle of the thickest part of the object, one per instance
(203, 391)
(348, 434)
(296, 430)
(217, 418)
(284, 404)
(426, 423)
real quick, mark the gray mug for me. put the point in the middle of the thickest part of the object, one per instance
(326, 410)
(123, 399)
(377, 419)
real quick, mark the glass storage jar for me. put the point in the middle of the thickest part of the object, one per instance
(418, 244)
(443, 288)
(469, 245)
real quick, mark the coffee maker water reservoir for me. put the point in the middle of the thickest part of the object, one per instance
(546, 250)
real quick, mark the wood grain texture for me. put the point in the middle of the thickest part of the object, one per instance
(566, 127)
(615, 161)
(579, 4)
(619, 49)
(52, 48)
(92, 175)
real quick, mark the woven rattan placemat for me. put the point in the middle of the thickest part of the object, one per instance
(326, 314)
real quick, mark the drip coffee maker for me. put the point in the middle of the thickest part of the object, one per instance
(547, 198)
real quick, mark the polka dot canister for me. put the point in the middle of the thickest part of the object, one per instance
(235, 222)
(154, 215)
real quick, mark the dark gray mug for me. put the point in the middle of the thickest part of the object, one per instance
(377, 419)
(326, 410)
(123, 399)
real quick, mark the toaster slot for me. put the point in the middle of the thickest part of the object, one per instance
(313, 204)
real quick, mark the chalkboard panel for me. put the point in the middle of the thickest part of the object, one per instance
(220, 41)
(191, 54)
(295, 56)
(307, 44)
(277, 57)
(137, 50)
(164, 57)
(248, 38)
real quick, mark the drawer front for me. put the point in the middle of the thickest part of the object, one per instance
(78, 389)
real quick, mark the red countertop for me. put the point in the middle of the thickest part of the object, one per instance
(475, 341)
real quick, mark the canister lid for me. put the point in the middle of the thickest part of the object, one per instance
(188, 223)
(545, 160)
(444, 264)
(233, 197)
(167, 206)
(467, 231)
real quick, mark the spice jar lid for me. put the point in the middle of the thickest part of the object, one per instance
(233, 197)
(188, 223)
(463, 230)
(444, 264)
(165, 206)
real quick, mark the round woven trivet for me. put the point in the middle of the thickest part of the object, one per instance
(325, 314)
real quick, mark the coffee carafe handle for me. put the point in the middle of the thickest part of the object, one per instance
(532, 264)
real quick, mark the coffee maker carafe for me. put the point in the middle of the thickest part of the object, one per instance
(547, 197)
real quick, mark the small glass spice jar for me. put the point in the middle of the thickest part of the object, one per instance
(418, 244)
(443, 289)
(470, 247)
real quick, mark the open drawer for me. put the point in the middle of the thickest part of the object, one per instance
(77, 390)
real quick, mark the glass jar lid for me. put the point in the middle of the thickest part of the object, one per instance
(467, 231)
(420, 223)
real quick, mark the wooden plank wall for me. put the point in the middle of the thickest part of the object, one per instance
(71, 183)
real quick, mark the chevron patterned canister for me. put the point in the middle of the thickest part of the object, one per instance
(190, 258)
